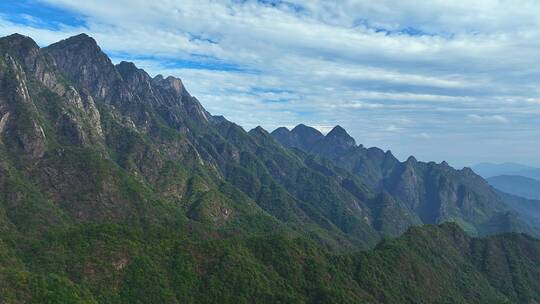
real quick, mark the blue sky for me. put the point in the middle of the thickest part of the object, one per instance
(442, 80)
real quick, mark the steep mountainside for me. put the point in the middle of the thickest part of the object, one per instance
(516, 185)
(118, 187)
(433, 192)
(99, 142)
(527, 208)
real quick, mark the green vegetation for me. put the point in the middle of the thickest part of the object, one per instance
(112, 263)
(119, 188)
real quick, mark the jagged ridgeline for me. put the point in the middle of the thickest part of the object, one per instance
(428, 193)
(116, 187)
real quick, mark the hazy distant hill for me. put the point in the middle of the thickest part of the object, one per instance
(487, 170)
(528, 208)
(517, 185)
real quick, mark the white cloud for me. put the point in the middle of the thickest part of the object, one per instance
(487, 118)
(335, 62)
(392, 128)
(422, 135)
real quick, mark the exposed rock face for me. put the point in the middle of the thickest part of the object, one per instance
(19, 114)
(81, 60)
(78, 119)
(28, 54)
(4, 118)
(82, 119)
(135, 79)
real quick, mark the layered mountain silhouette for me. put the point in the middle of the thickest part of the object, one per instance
(488, 170)
(119, 187)
(517, 185)
(433, 193)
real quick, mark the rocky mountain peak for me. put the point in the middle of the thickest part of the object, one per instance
(281, 131)
(171, 84)
(20, 43)
(411, 160)
(137, 79)
(308, 132)
(81, 59)
(260, 133)
(81, 40)
(260, 129)
(24, 49)
(339, 135)
(175, 84)
(301, 136)
(79, 45)
(468, 171)
(126, 68)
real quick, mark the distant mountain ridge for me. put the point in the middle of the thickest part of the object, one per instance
(528, 208)
(433, 192)
(488, 170)
(516, 185)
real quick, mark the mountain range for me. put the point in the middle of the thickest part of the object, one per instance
(432, 193)
(119, 187)
(512, 178)
(488, 170)
(518, 185)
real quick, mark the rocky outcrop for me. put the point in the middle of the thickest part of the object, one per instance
(29, 55)
(20, 125)
(81, 60)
